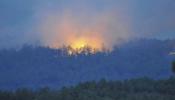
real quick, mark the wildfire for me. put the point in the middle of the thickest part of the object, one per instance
(79, 43)
(76, 34)
(88, 45)
(83, 42)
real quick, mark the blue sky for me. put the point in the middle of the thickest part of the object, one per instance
(141, 18)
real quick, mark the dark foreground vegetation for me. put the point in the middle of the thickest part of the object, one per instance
(135, 89)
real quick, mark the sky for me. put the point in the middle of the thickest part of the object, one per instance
(60, 22)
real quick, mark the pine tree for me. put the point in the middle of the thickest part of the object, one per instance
(173, 66)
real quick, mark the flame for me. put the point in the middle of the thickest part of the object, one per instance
(79, 44)
(83, 42)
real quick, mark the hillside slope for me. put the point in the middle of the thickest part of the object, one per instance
(42, 66)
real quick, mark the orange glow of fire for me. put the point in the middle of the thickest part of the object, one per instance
(72, 32)
(83, 42)
(78, 44)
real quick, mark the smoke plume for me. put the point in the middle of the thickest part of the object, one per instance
(106, 23)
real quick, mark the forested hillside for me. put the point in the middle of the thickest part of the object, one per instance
(135, 89)
(42, 66)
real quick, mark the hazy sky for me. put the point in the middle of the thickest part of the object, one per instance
(46, 22)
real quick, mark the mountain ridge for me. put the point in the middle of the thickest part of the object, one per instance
(42, 66)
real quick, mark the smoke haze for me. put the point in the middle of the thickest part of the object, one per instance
(60, 22)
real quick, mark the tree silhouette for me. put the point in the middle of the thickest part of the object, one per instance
(173, 66)
(134, 89)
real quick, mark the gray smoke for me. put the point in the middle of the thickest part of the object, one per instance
(38, 22)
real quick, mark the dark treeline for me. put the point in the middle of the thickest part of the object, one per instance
(134, 89)
(173, 66)
(42, 66)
